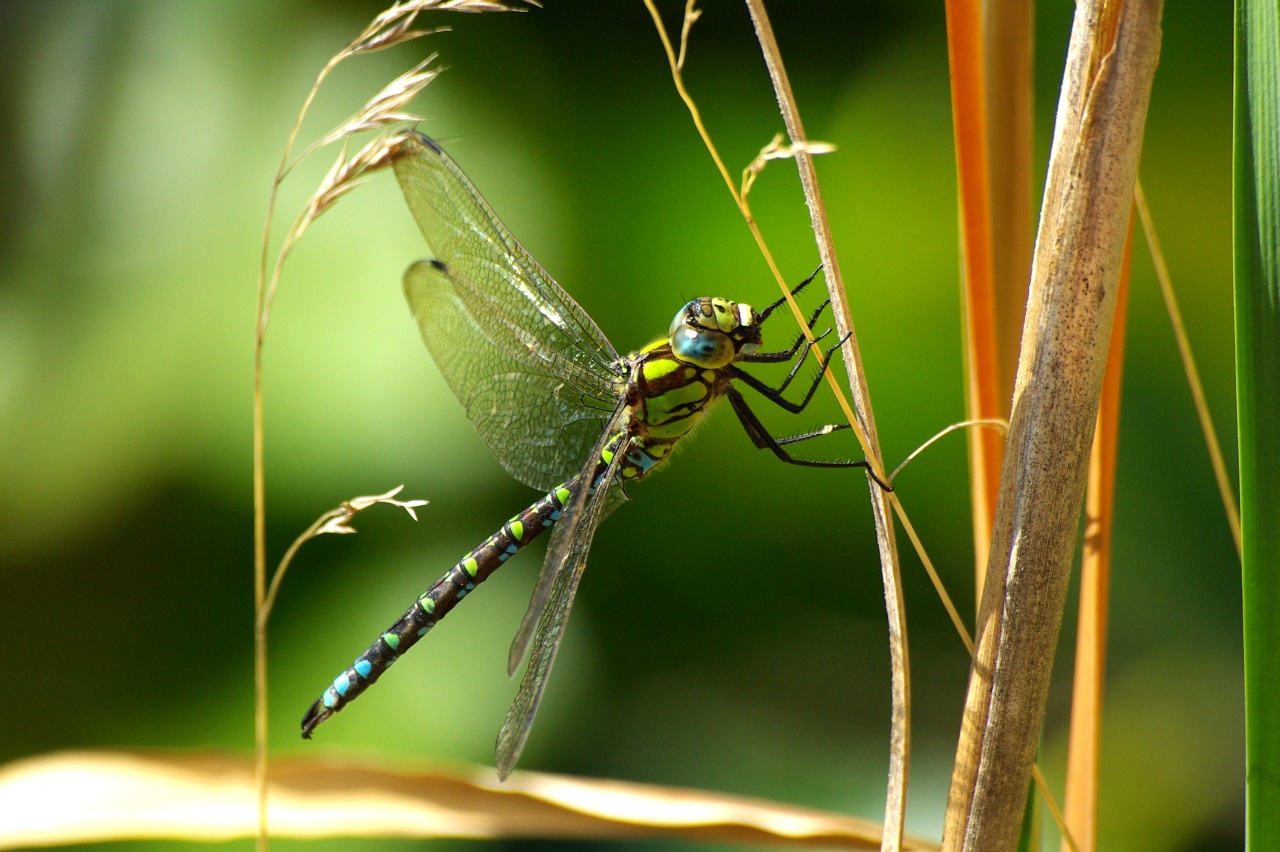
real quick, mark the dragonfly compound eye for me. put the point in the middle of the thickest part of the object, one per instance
(690, 313)
(702, 347)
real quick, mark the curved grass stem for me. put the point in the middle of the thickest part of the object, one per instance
(392, 27)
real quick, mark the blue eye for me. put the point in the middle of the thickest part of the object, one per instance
(701, 347)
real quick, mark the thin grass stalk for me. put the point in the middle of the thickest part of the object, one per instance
(891, 577)
(1079, 252)
(388, 29)
(1225, 489)
(1084, 739)
(861, 421)
(265, 292)
(989, 48)
(1257, 314)
(983, 399)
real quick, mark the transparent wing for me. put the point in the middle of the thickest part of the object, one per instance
(537, 412)
(536, 376)
(566, 560)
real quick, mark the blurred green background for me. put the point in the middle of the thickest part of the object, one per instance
(730, 632)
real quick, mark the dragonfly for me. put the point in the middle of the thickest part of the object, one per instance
(558, 407)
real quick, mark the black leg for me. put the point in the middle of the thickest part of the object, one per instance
(788, 354)
(816, 433)
(763, 440)
(801, 344)
(774, 395)
(764, 315)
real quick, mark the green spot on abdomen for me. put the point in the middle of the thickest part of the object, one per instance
(392, 640)
(517, 530)
(469, 565)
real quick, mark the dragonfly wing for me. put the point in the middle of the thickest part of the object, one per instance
(464, 232)
(537, 411)
(497, 293)
(566, 560)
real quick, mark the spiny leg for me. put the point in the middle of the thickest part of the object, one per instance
(775, 396)
(799, 362)
(801, 343)
(764, 315)
(789, 353)
(760, 436)
(756, 430)
(815, 433)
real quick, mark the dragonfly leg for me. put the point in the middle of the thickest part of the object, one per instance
(775, 396)
(801, 343)
(764, 315)
(815, 433)
(760, 436)
(790, 352)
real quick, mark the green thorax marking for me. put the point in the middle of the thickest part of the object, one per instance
(667, 398)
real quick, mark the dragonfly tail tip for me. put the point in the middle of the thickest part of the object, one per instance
(316, 714)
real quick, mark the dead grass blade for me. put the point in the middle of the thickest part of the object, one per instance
(989, 55)
(864, 424)
(1079, 251)
(86, 797)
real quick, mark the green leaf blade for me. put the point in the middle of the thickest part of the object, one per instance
(1257, 306)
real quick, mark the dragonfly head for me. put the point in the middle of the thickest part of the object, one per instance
(711, 333)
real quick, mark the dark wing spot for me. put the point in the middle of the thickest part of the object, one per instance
(438, 265)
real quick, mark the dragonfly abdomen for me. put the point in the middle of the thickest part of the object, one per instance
(434, 604)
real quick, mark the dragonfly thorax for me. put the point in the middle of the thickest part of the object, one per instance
(711, 333)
